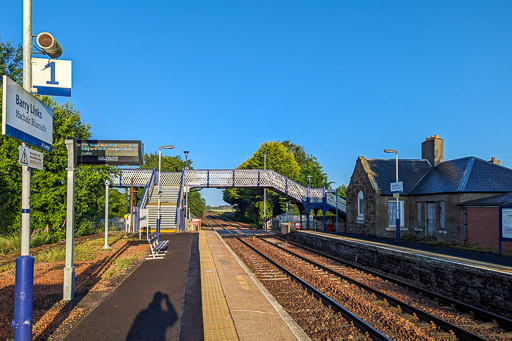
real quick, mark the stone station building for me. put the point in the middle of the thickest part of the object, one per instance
(437, 196)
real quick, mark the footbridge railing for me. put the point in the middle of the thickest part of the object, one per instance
(246, 178)
(264, 178)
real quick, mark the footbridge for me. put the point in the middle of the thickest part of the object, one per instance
(174, 186)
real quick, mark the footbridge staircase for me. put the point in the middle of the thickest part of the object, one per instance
(174, 186)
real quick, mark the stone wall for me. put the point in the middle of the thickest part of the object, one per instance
(480, 287)
(361, 182)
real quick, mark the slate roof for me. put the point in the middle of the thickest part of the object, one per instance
(409, 172)
(468, 174)
(504, 199)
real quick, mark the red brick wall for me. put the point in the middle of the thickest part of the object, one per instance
(482, 227)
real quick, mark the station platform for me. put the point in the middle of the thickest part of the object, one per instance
(199, 291)
(482, 260)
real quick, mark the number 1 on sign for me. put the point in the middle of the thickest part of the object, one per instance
(51, 65)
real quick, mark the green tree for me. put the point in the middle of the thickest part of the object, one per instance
(308, 165)
(48, 186)
(249, 202)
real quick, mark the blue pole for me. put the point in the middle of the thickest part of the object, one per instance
(22, 322)
(397, 229)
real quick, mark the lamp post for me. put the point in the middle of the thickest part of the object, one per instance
(308, 202)
(397, 203)
(186, 158)
(336, 194)
(160, 186)
(264, 191)
(187, 211)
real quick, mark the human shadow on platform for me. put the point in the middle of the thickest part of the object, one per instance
(152, 323)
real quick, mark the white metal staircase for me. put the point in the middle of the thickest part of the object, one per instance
(168, 201)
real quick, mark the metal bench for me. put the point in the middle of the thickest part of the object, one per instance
(158, 248)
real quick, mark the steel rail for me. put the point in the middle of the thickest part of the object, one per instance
(447, 326)
(502, 321)
(361, 324)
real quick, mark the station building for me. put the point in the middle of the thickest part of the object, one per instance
(454, 201)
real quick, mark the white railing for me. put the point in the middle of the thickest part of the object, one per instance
(140, 177)
(236, 178)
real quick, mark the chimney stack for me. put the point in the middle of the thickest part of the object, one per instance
(496, 162)
(432, 149)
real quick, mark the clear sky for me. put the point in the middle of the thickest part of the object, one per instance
(341, 78)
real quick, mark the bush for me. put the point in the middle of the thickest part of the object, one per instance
(10, 243)
(86, 228)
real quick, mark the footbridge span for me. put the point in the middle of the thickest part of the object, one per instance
(174, 185)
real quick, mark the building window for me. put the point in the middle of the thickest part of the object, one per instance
(441, 215)
(420, 219)
(392, 213)
(360, 206)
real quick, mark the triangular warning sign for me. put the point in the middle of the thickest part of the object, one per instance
(24, 158)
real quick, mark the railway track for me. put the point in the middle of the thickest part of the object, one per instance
(398, 310)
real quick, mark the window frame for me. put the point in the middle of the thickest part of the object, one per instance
(402, 213)
(360, 205)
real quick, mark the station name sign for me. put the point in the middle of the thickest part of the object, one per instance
(26, 118)
(109, 152)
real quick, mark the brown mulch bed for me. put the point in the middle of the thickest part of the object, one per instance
(52, 317)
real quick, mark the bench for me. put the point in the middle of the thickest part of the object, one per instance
(158, 248)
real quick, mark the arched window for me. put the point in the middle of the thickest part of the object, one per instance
(360, 205)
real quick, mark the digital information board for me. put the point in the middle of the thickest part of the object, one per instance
(109, 152)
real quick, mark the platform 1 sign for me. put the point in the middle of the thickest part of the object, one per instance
(109, 152)
(51, 77)
(26, 118)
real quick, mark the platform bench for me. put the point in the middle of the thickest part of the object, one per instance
(158, 248)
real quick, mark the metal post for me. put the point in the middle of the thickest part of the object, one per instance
(336, 212)
(131, 206)
(397, 203)
(105, 247)
(24, 282)
(69, 269)
(308, 199)
(265, 193)
(159, 192)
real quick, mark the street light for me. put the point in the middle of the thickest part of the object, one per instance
(397, 203)
(309, 197)
(187, 211)
(160, 187)
(186, 158)
(264, 191)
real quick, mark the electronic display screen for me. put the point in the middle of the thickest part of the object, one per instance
(109, 152)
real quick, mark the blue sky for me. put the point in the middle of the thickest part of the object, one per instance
(341, 78)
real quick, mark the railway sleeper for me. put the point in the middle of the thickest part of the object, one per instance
(445, 336)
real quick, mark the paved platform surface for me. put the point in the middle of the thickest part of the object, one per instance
(467, 257)
(199, 291)
(158, 301)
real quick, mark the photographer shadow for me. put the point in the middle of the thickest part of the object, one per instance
(153, 322)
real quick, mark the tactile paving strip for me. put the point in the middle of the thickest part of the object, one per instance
(217, 321)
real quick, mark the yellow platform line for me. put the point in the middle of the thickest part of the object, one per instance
(217, 321)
